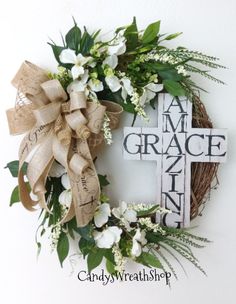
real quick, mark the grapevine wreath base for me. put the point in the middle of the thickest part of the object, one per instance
(66, 120)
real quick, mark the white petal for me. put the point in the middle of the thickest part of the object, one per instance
(68, 56)
(116, 232)
(150, 95)
(104, 239)
(127, 85)
(84, 77)
(112, 61)
(76, 86)
(105, 208)
(34, 197)
(143, 240)
(117, 49)
(100, 219)
(116, 212)
(65, 198)
(154, 87)
(76, 71)
(124, 93)
(113, 83)
(143, 99)
(130, 215)
(95, 85)
(136, 249)
(81, 60)
(65, 181)
(56, 170)
(123, 207)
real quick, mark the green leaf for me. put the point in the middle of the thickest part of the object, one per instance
(85, 232)
(86, 246)
(128, 107)
(103, 180)
(173, 36)
(56, 51)
(151, 32)
(171, 74)
(149, 211)
(86, 42)
(14, 167)
(110, 267)
(94, 259)
(150, 259)
(174, 88)
(15, 197)
(62, 247)
(131, 35)
(73, 38)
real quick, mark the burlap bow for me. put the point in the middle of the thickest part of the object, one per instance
(58, 128)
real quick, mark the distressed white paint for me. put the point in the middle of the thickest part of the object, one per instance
(174, 145)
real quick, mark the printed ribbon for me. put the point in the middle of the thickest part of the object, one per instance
(67, 131)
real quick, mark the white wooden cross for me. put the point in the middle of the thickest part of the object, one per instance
(174, 144)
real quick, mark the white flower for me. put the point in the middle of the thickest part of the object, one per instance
(118, 48)
(65, 198)
(149, 92)
(111, 61)
(113, 83)
(127, 88)
(95, 85)
(102, 214)
(108, 237)
(79, 85)
(69, 56)
(139, 240)
(56, 170)
(126, 215)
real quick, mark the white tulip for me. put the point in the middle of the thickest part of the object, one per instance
(108, 237)
(69, 56)
(56, 170)
(149, 92)
(139, 240)
(102, 214)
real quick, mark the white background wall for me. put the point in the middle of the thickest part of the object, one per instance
(208, 26)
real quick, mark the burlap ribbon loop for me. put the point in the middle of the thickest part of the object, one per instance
(63, 128)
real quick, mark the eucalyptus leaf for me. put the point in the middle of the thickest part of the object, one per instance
(13, 166)
(62, 247)
(15, 197)
(151, 32)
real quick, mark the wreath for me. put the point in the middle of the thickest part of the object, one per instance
(69, 114)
